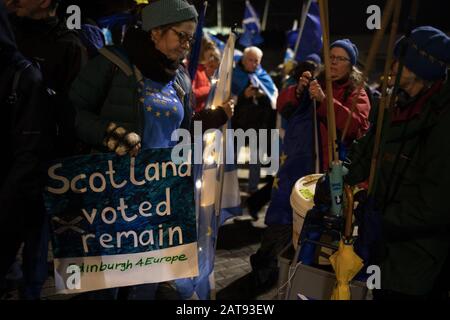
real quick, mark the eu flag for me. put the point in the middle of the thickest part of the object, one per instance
(311, 37)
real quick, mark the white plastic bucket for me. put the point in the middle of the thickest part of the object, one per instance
(302, 200)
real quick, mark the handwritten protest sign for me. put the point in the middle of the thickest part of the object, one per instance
(119, 221)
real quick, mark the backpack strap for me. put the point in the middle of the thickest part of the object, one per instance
(118, 61)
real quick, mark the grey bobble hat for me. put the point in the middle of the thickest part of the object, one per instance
(162, 12)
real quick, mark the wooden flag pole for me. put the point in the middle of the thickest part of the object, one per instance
(265, 15)
(384, 96)
(387, 14)
(332, 151)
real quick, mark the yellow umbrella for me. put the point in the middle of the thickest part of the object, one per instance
(346, 263)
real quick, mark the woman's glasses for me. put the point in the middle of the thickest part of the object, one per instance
(338, 59)
(183, 37)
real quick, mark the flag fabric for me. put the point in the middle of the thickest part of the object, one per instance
(208, 179)
(195, 52)
(311, 37)
(296, 161)
(259, 78)
(269, 89)
(115, 22)
(251, 26)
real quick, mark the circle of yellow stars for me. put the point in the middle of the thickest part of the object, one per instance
(158, 114)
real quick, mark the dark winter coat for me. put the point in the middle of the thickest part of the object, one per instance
(26, 144)
(60, 55)
(105, 93)
(412, 191)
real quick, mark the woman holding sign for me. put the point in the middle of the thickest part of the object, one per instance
(135, 96)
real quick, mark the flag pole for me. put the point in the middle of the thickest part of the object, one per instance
(222, 157)
(219, 191)
(219, 15)
(265, 16)
(332, 151)
(383, 101)
(316, 139)
(387, 14)
(305, 11)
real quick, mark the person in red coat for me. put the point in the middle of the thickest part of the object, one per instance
(209, 62)
(346, 80)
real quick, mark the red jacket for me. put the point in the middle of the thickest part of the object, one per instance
(201, 87)
(358, 125)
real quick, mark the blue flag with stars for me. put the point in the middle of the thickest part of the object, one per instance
(311, 37)
(296, 161)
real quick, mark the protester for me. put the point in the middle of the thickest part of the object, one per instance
(257, 200)
(133, 97)
(24, 103)
(299, 155)
(208, 63)
(43, 37)
(255, 106)
(413, 172)
(297, 158)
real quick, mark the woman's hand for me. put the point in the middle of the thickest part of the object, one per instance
(122, 142)
(303, 82)
(316, 92)
(228, 107)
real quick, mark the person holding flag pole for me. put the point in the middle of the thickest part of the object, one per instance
(342, 84)
(405, 225)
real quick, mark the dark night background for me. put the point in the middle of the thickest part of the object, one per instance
(347, 20)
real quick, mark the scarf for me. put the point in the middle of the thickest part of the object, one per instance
(150, 61)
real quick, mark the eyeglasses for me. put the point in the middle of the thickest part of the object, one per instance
(338, 59)
(183, 37)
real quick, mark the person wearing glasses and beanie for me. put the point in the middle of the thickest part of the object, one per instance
(132, 97)
(298, 99)
(346, 79)
(413, 173)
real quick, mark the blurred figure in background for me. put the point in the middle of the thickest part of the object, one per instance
(255, 107)
(208, 63)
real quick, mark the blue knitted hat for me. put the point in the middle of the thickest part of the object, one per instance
(427, 53)
(349, 47)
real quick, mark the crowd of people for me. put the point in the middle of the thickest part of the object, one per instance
(71, 92)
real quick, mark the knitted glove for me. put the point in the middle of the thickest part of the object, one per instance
(120, 141)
